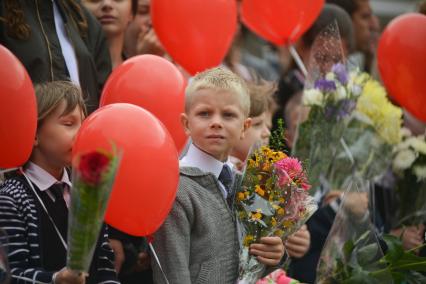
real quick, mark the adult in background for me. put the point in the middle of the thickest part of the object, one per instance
(57, 40)
(114, 16)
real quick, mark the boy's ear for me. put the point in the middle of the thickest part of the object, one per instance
(247, 125)
(185, 123)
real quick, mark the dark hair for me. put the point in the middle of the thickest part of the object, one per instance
(350, 6)
(134, 7)
(422, 7)
(17, 27)
(329, 14)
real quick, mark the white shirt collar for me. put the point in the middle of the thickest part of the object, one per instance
(199, 159)
(42, 179)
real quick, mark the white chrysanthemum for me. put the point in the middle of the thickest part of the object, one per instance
(418, 144)
(420, 172)
(330, 76)
(405, 132)
(404, 160)
(340, 93)
(313, 97)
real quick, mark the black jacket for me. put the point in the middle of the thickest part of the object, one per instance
(41, 53)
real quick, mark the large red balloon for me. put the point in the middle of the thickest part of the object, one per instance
(196, 33)
(280, 21)
(146, 183)
(18, 111)
(154, 84)
(401, 58)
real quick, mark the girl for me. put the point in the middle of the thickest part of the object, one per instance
(34, 201)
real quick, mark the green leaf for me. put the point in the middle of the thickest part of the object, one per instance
(367, 254)
(395, 249)
(348, 248)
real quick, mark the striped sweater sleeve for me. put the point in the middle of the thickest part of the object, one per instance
(106, 273)
(18, 219)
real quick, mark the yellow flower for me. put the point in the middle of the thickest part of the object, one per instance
(281, 200)
(256, 216)
(246, 193)
(259, 190)
(279, 233)
(281, 211)
(384, 116)
(247, 240)
(273, 222)
(240, 196)
(287, 223)
(259, 177)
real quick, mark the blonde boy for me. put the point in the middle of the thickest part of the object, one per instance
(198, 242)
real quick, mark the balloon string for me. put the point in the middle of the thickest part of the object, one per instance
(298, 60)
(7, 170)
(158, 262)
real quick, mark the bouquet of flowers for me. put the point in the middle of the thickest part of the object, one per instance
(277, 277)
(272, 200)
(93, 179)
(409, 164)
(352, 126)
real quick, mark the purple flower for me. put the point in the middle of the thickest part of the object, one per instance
(340, 111)
(325, 85)
(340, 70)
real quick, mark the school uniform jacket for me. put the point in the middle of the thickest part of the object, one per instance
(20, 218)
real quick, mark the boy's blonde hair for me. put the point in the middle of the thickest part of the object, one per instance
(50, 95)
(219, 79)
(261, 100)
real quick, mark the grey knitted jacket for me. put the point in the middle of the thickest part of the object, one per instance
(198, 241)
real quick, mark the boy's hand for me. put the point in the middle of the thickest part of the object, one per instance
(269, 251)
(119, 256)
(66, 276)
(298, 244)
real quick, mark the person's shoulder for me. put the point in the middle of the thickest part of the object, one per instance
(14, 187)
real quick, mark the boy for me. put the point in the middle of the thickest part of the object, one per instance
(198, 241)
(34, 201)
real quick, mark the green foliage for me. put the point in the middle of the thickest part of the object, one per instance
(359, 264)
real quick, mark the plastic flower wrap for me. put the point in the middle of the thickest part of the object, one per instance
(277, 277)
(351, 127)
(271, 201)
(409, 164)
(353, 253)
(93, 179)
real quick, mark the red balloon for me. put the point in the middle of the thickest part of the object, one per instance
(401, 59)
(18, 111)
(280, 21)
(154, 84)
(196, 33)
(146, 183)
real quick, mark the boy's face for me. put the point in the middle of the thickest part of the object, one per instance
(56, 135)
(258, 131)
(216, 122)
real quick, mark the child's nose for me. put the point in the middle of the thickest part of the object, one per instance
(216, 121)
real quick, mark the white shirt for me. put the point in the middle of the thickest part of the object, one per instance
(66, 46)
(43, 180)
(206, 163)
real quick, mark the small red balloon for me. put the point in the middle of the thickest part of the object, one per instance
(280, 21)
(197, 34)
(147, 179)
(18, 111)
(154, 84)
(401, 59)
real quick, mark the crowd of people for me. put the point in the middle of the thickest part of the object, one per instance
(69, 49)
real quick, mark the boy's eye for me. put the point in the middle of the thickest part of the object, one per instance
(68, 123)
(229, 114)
(203, 113)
